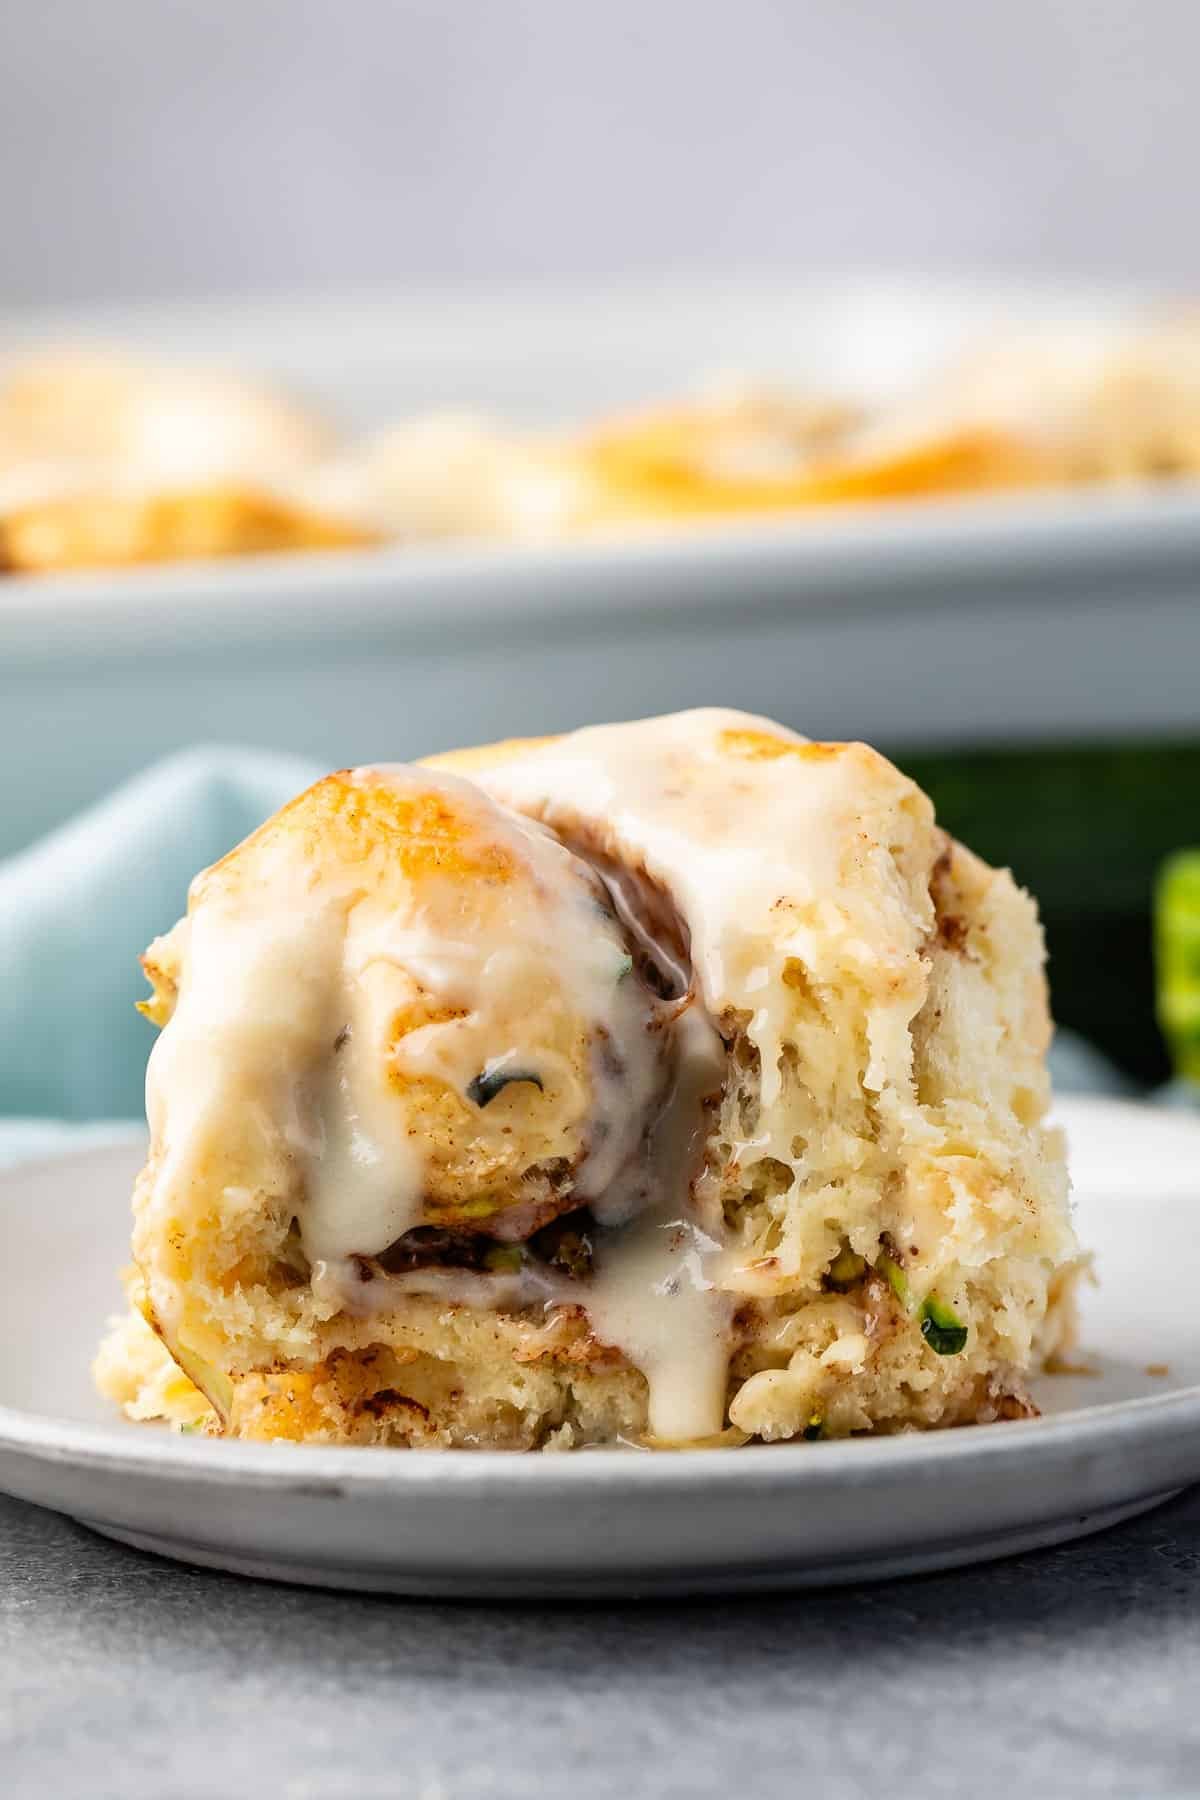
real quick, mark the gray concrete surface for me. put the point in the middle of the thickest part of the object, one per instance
(1072, 1672)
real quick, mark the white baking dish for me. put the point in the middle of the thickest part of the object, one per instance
(1039, 615)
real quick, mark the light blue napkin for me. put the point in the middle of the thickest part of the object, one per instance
(77, 910)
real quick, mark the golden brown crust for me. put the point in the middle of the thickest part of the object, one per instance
(358, 820)
(110, 530)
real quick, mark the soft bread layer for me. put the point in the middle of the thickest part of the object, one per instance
(366, 1037)
(878, 1148)
(429, 1377)
(883, 994)
(438, 1377)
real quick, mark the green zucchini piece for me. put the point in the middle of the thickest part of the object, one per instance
(846, 1268)
(942, 1328)
(214, 1384)
(894, 1275)
(814, 1429)
(493, 1079)
(1177, 959)
(504, 1259)
(571, 1251)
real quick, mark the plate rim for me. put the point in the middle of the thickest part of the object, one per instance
(913, 1457)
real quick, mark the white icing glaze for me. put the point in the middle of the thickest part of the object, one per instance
(656, 1290)
(655, 1293)
(361, 1291)
(105, 426)
(293, 976)
(717, 845)
(292, 982)
(736, 843)
(774, 853)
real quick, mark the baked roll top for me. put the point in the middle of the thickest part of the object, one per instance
(676, 1080)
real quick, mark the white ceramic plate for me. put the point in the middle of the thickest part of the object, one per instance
(1045, 615)
(458, 1523)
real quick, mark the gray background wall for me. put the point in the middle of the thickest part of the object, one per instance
(162, 146)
